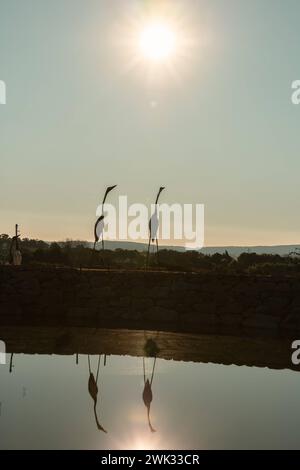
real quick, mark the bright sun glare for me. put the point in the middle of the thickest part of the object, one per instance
(157, 42)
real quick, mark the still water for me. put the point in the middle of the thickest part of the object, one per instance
(46, 403)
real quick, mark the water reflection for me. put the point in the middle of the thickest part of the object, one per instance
(147, 393)
(11, 363)
(271, 352)
(93, 390)
(191, 405)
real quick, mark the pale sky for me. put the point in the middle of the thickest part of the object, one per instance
(81, 114)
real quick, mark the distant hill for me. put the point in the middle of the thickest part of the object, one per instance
(233, 251)
(110, 245)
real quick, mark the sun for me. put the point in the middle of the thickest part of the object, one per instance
(157, 42)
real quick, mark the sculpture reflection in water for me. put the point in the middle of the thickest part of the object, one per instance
(147, 393)
(93, 390)
(11, 365)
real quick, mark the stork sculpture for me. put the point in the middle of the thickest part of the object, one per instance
(100, 223)
(154, 226)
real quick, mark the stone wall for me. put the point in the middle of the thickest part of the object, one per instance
(150, 300)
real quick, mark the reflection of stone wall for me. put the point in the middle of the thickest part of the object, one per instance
(274, 353)
(150, 300)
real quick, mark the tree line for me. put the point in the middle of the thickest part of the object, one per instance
(79, 254)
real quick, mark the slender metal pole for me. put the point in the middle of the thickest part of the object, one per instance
(147, 260)
(103, 248)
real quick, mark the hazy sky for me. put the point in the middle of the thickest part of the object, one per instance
(220, 130)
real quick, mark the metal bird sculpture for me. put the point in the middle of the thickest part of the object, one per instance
(99, 225)
(154, 226)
